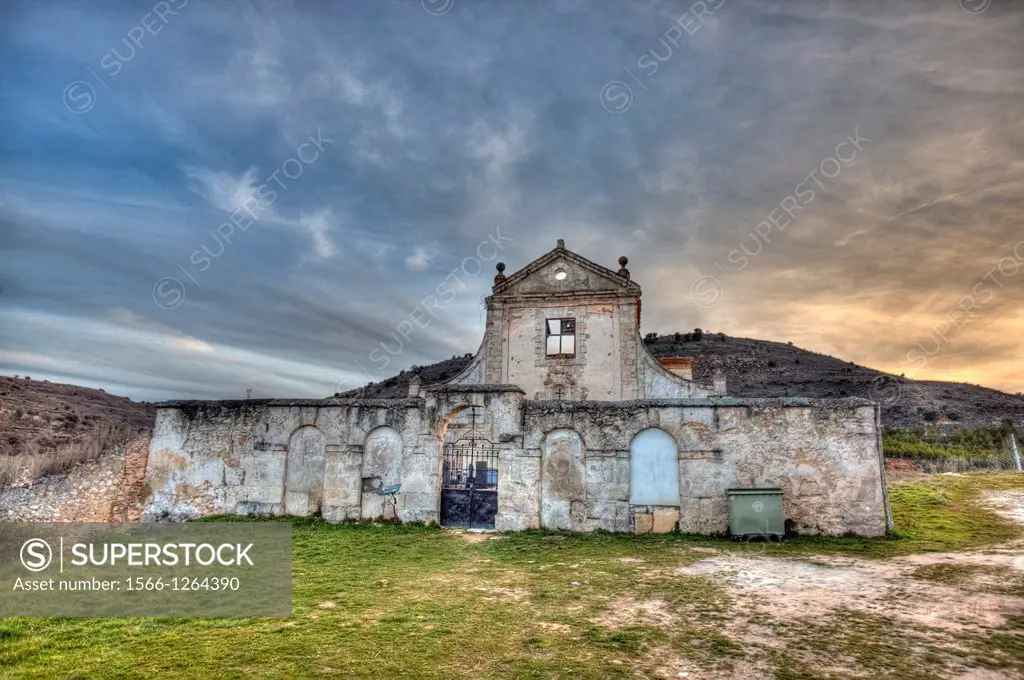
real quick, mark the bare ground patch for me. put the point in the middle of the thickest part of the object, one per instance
(931, 602)
(550, 627)
(627, 611)
(500, 594)
(471, 536)
(1008, 504)
(789, 589)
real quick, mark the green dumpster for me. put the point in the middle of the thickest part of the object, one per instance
(756, 512)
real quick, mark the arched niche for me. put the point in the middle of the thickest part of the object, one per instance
(462, 421)
(563, 491)
(653, 469)
(304, 473)
(382, 460)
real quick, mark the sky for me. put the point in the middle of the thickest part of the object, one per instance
(218, 198)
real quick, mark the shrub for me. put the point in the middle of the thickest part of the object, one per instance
(930, 415)
(771, 364)
(985, 444)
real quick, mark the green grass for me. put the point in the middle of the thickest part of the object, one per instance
(419, 602)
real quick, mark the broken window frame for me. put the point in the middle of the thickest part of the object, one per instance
(566, 337)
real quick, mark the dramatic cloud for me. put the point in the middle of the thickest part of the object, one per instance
(243, 195)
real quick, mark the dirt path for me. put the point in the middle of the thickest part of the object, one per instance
(939, 600)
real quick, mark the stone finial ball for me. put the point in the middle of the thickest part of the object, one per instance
(623, 261)
(500, 266)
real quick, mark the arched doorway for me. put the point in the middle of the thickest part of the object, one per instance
(469, 471)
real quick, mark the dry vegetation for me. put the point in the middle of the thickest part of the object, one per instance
(41, 417)
(46, 428)
(25, 468)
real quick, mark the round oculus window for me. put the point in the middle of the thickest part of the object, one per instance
(561, 275)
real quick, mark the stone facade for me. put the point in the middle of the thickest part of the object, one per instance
(599, 437)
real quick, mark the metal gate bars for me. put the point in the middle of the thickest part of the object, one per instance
(469, 484)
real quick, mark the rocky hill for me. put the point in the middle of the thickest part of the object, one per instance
(761, 368)
(40, 417)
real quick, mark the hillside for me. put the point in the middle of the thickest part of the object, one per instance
(42, 417)
(761, 368)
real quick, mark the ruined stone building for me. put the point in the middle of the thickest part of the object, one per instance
(562, 420)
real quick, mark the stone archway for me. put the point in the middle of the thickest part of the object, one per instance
(469, 469)
(304, 472)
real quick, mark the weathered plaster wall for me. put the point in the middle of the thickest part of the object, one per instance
(382, 459)
(303, 457)
(822, 453)
(562, 465)
(284, 457)
(563, 487)
(595, 370)
(611, 362)
(657, 382)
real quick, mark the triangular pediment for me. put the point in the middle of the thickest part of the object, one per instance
(561, 271)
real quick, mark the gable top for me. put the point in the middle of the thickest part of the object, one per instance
(601, 279)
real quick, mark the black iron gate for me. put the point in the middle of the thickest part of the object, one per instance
(469, 482)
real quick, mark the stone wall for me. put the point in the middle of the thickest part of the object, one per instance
(109, 488)
(824, 454)
(303, 457)
(562, 465)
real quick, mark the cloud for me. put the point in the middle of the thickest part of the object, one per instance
(419, 259)
(230, 194)
(318, 225)
(224, 191)
(443, 130)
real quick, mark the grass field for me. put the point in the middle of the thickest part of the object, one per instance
(422, 602)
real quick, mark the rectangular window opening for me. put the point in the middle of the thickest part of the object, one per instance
(561, 337)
